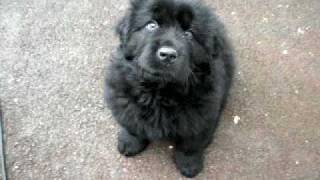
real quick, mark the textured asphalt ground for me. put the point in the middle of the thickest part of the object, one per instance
(52, 61)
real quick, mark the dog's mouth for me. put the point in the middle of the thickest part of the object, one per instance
(148, 72)
(151, 75)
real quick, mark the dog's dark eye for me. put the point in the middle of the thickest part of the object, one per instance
(188, 34)
(152, 26)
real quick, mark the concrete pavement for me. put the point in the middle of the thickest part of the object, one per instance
(52, 61)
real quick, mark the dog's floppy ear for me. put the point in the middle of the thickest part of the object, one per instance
(122, 28)
(136, 1)
(219, 43)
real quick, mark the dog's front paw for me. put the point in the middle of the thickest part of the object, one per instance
(189, 164)
(130, 145)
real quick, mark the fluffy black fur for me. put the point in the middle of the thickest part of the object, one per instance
(180, 101)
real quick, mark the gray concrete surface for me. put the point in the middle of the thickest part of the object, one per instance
(51, 84)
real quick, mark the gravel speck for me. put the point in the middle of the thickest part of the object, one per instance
(236, 119)
(264, 19)
(300, 30)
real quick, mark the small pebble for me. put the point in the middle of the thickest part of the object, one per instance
(105, 22)
(300, 31)
(297, 162)
(170, 147)
(265, 19)
(236, 119)
(285, 52)
(122, 7)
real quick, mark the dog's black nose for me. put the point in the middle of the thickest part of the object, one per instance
(167, 54)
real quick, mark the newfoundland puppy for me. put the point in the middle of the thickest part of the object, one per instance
(169, 78)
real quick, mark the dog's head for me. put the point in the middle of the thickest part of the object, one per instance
(168, 39)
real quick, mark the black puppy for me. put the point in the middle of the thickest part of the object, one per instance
(169, 78)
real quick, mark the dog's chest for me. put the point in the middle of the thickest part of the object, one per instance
(158, 113)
